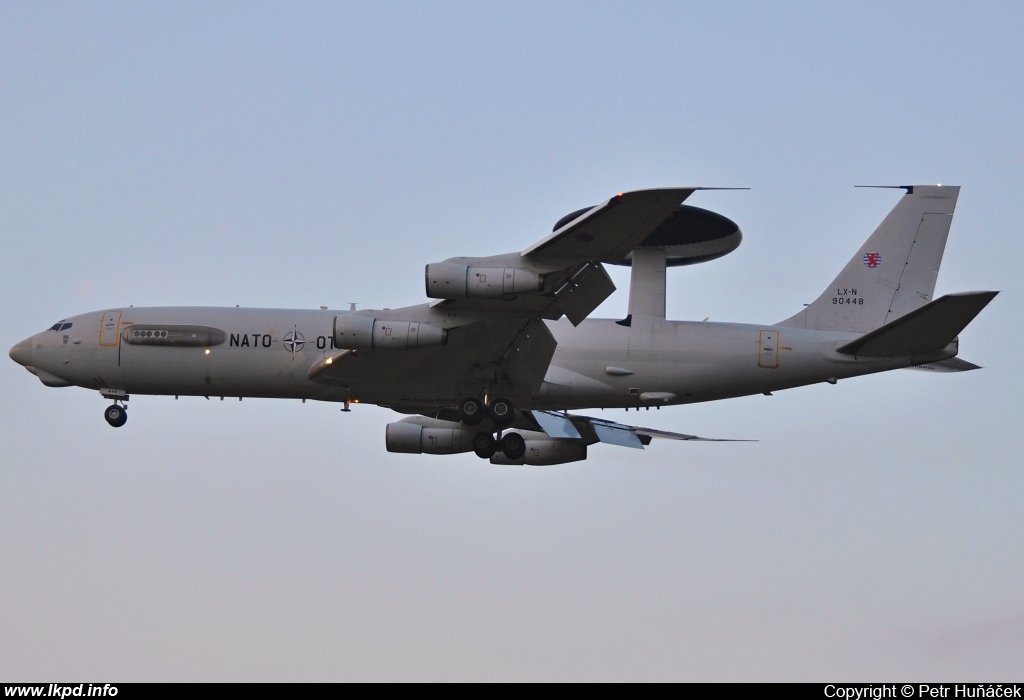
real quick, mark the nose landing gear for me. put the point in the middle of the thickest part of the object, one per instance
(116, 415)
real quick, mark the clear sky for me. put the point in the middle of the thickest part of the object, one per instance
(293, 155)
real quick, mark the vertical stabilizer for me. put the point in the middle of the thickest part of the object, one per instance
(894, 272)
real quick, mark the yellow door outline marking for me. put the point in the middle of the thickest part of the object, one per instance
(117, 331)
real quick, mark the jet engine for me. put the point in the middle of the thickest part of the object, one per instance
(353, 332)
(542, 450)
(435, 438)
(454, 281)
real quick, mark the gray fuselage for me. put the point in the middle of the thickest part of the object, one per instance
(598, 364)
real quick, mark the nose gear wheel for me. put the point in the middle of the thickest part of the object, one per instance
(116, 415)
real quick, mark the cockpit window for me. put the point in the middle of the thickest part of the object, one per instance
(60, 326)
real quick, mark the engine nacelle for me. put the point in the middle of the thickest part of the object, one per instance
(353, 332)
(454, 281)
(542, 453)
(411, 438)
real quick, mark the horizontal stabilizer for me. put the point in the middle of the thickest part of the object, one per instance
(927, 329)
(953, 364)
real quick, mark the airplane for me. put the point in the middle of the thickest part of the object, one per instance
(505, 348)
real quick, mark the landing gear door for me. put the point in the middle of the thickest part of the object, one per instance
(769, 350)
(109, 328)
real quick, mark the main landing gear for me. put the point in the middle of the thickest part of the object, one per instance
(511, 444)
(116, 415)
(484, 445)
(472, 411)
(500, 411)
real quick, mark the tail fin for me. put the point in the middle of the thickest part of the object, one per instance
(894, 272)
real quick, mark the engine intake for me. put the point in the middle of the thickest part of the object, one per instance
(353, 332)
(454, 281)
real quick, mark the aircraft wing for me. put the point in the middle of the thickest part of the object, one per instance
(591, 430)
(609, 231)
(570, 259)
(496, 336)
(511, 352)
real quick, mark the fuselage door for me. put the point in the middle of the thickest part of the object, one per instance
(109, 328)
(769, 350)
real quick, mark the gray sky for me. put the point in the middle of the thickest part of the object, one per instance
(299, 155)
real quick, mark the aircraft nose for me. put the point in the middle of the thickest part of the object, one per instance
(22, 352)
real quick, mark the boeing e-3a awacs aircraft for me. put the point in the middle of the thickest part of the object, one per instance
(492, 366)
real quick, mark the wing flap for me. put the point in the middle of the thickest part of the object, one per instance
(615, 434)
(584, 292)
(556, 425)
(529, 355)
